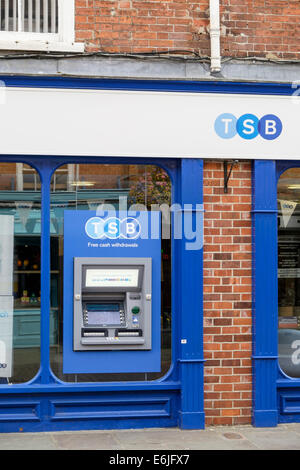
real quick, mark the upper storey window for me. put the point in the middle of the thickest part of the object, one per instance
(38, 25)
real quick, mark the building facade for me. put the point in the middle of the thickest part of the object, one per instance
(188, 105)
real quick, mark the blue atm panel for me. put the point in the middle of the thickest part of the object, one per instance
(112, 284)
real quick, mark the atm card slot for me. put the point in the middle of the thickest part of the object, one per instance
(94, 332)
(128, 333)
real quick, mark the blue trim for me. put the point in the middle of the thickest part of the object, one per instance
(78, 411)
(288, 382)
(45, 278)
(62, 387)
(282, 166)
(264, 357)
(187, 86)
(190, 278)
(264, 293)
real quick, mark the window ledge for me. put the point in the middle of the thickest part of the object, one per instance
(34, 45)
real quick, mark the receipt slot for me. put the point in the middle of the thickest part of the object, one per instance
(112, 303)
(112, 293)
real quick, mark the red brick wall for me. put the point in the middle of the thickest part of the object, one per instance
(264, 28)
(142, 25)
(227, 295)
(261, 28)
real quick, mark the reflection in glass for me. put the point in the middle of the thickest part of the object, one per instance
(86, 187)
(20, 228)
(289, 272)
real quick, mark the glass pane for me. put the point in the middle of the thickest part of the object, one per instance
(20, 228)
(33, 16)
(85, 187)
(289, 272)
(9, 15)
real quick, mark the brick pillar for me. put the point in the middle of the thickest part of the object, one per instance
(227, 295)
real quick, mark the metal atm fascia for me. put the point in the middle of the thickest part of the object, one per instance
(128, 331)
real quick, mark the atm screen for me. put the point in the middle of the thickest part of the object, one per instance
(111, 277)
(103, 314)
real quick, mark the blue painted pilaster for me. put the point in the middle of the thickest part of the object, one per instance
(45, 375)
(191, 296)
(265, 303)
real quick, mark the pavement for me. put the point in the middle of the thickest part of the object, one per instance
(282, 437)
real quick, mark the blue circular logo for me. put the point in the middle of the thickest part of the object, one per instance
(94, 228)
(247, 126)
(112, 228)
(225, 126)
(130, 228)
(270, 127)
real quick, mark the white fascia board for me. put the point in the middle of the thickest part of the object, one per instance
(33, 45)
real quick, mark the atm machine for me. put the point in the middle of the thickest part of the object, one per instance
(112, 294)
(112, 303)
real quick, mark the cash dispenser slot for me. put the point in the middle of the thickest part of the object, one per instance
(90, 332)
(128, 333)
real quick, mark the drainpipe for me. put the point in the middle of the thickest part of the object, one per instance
(215, 55)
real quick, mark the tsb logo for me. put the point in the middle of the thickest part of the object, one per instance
(112, 228)
(248, 126)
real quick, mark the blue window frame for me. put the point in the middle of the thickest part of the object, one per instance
(275, 395)
(264, 293)
(288, 388)
(46, 403)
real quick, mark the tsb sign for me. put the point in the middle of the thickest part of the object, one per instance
(248, 126)
(112, 228)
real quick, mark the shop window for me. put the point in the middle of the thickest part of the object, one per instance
(27, 178)
(289, 272)
(37, 25)
(20, 240)
(63, 179)
(86, 187)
